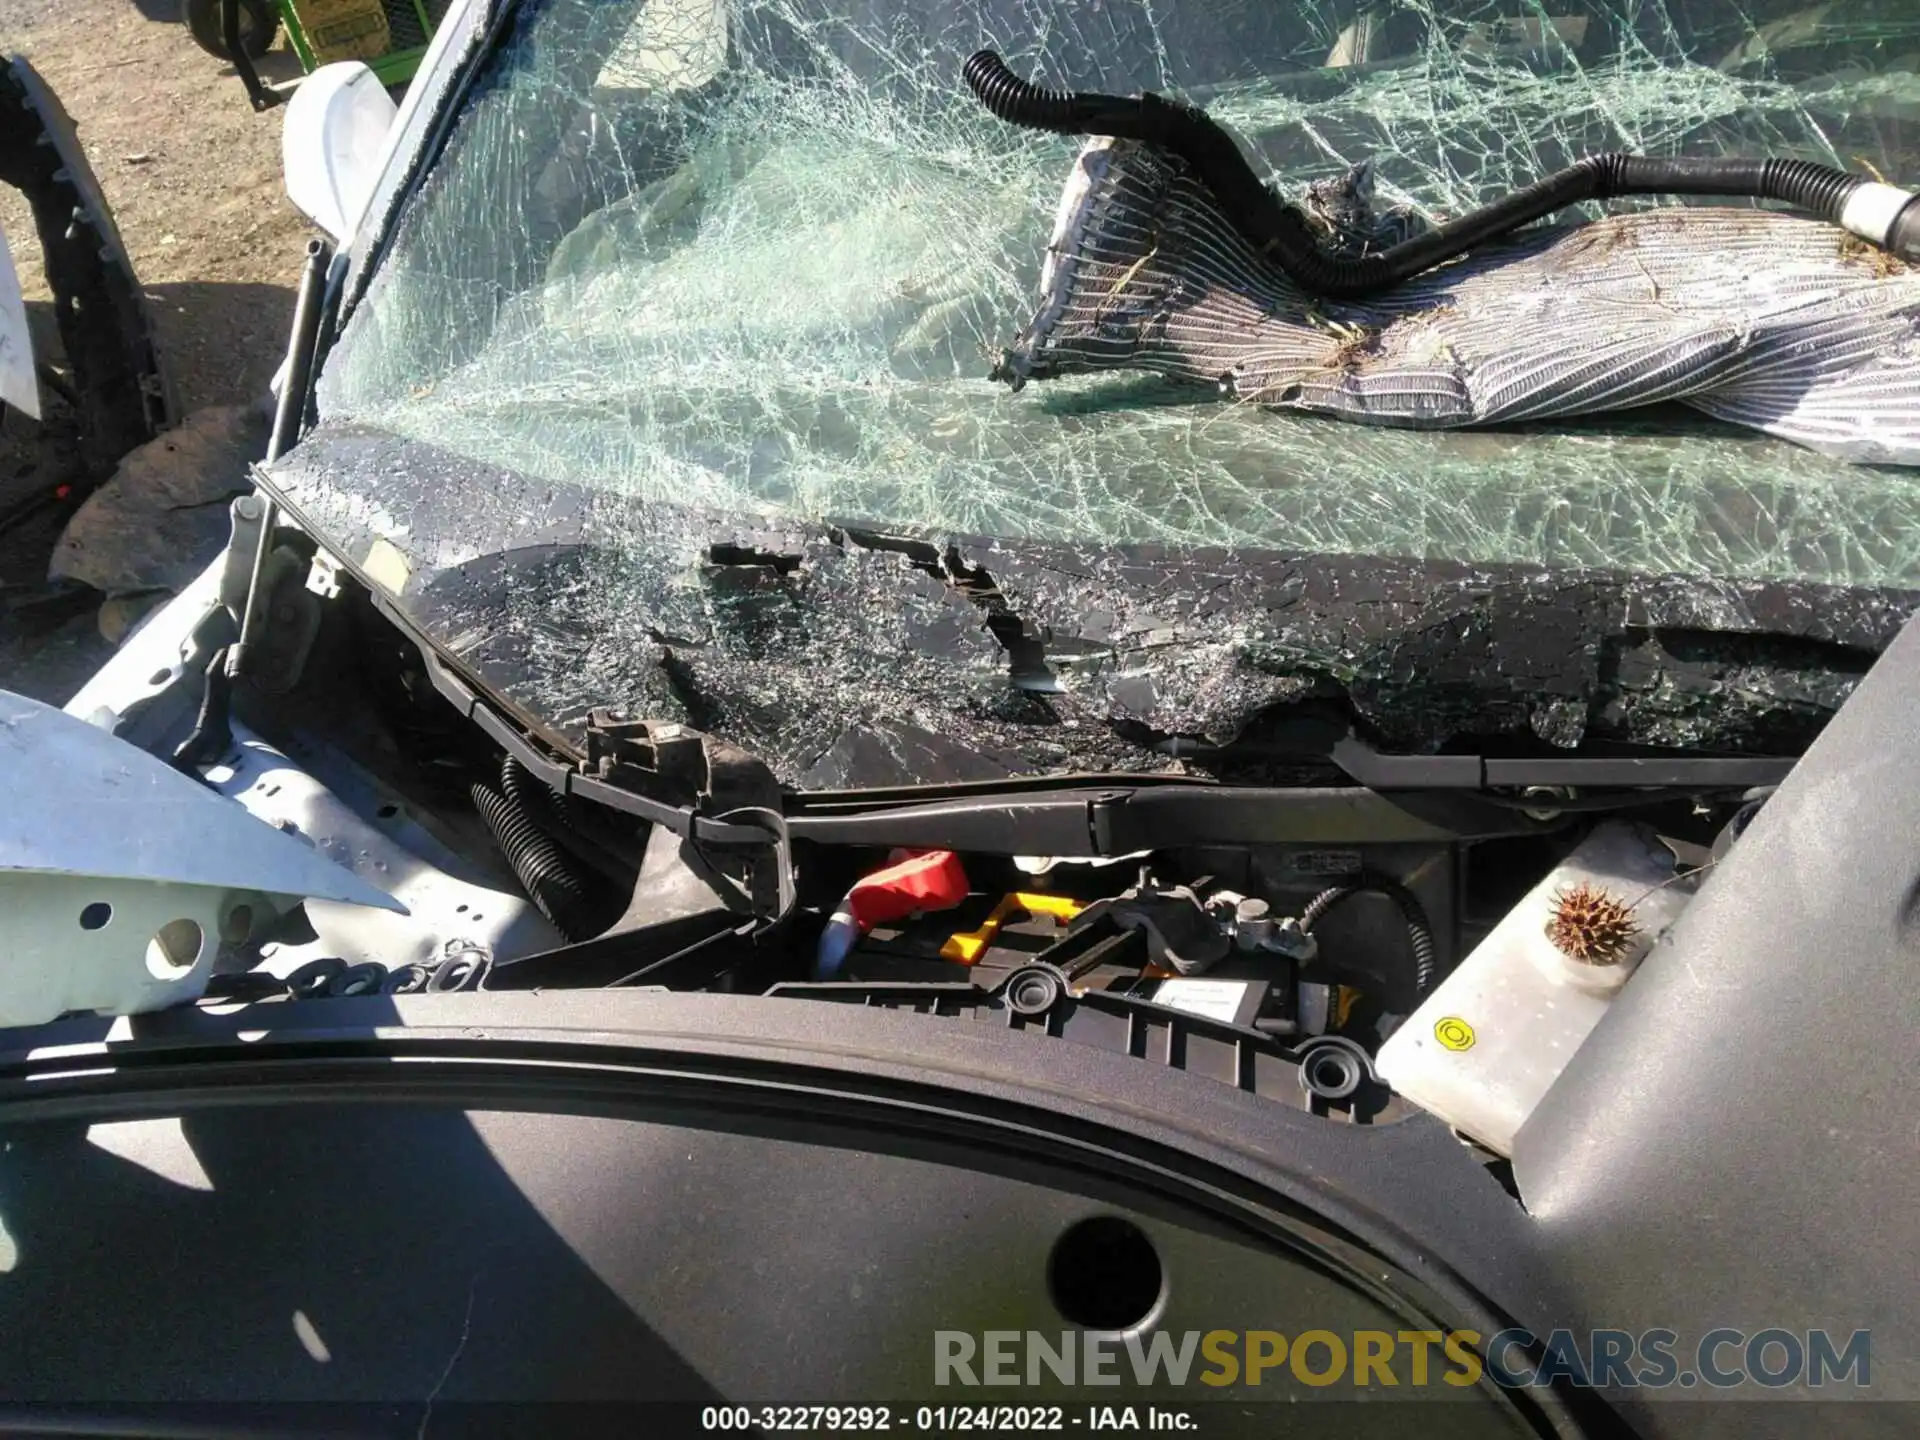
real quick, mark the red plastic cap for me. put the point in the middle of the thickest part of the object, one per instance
(933, 880)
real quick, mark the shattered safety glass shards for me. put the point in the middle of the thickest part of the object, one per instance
(761, 256)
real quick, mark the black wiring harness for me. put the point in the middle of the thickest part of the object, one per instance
(1420, 946)
(1882, 214)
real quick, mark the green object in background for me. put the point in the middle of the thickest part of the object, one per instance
(389, 36)
(321, 31)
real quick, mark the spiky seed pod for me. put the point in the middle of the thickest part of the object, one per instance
(1591, 926)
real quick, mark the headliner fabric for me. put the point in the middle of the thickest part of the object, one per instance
(1783, 324)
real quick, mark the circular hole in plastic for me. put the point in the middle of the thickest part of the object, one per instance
(454, 973)
(159, 677)
(312, 980)
(1032, 993)
(175, 949)
(96, 916)
(238, 924)
(387, 812)
(1104, 1274)
(407, 980)
(358, 980)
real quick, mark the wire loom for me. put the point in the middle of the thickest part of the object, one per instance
(1881, 214)
(1173, 259)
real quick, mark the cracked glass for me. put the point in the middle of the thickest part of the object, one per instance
(760, 258)
(671, 391)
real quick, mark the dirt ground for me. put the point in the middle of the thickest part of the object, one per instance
(193, 177)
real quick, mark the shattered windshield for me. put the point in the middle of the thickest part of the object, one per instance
(673, 390)
(759, 258)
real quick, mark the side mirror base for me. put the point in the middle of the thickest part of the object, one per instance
(334, 144)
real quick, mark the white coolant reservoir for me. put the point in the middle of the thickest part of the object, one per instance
(1483, 1048)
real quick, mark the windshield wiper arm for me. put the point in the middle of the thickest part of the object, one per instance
(1376, 771)
(1395, 797)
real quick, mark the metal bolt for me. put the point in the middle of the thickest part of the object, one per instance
(1252, 923)
(1548, 793)
(1289, 939)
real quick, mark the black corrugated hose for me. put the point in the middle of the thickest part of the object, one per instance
(1419, 928)
(578, 906)
(1285, 235)
(581, 828)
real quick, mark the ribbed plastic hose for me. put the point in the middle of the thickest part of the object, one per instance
(548, 874)
(1884, 215)
(1420, 945)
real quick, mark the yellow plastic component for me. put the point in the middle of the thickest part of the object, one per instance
(969, 945)
(344, 29)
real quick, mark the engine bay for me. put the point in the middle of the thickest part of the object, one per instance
(1374, 962)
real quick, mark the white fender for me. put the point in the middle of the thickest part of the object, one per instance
(18, 387)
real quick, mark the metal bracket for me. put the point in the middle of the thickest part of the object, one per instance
(279, 614)
(323, 575)
(120, 878)
(386, 850)
(677, 764)
(250, 515)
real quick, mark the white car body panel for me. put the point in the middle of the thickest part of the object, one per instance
(18, 386)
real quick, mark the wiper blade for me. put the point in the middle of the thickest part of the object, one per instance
(1369, 767)
(1115, 820)
(1103, 821)
(1430, 798)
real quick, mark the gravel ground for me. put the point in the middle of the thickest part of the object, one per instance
(193, 177)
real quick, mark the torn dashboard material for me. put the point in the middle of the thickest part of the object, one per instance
(1782, 324)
